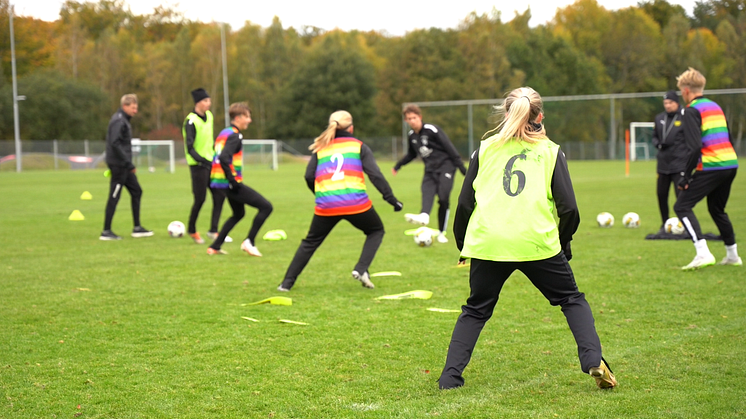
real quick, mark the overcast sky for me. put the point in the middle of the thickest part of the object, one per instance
(393, 17)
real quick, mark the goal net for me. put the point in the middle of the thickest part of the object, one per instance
(260, 154)
(156, 155)
(641, 141)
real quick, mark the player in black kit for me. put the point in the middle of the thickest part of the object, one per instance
(441, 161)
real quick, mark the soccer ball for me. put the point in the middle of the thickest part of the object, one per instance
(673, 226)
(176, 229)
(631, 220)
(605, 220)
(423, 236)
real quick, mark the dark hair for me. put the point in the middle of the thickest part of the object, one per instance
(412, 108)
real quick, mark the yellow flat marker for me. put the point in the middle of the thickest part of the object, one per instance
(293, 322)
(418, 294)
(83, 289)
(76, 216)
(280, 301)
(250, 319)
(462, 265)
(390, 273)
(86, 196)
(107, 173)
(443, 310)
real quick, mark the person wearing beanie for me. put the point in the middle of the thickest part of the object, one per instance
(198, 146)
(668, 138)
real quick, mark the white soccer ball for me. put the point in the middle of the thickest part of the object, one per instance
(176, 229)
(673, 226)
(631, 220)
(605, 220)
(423, 236)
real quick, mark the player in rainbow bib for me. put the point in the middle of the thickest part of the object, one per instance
(226, 175)
(335, 176)
(504, 222)
(710, 170)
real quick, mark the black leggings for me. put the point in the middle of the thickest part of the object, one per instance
(440, 184)
(662, 188)
(244, 195)
(715, 185)
(200, 185)
(122, 178)
(368, 222)
(553, 277)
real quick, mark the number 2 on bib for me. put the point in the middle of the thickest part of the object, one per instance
(509, 173)
(338, 173)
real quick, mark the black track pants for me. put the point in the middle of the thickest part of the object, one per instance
(122, 178)
(715, 185)
(553, 277)
(244, 195)
(663, 187)
(440, 184)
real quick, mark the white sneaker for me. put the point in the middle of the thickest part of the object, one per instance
(282, 289)
(364, 278)
(422, 219)
(700, 262)
(728, 261)
(228, 239)
(247, 247)
(442, 238)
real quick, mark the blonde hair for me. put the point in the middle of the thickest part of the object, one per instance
(520, 107)
(338, 120)
(128, 99)
(692, 79)
(238, 108)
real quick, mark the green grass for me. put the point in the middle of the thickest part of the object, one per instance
(152, 328)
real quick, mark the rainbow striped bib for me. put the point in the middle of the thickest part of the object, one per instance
(340, 183)
(717, 151)
(217, 176)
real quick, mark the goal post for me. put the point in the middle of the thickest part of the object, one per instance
(261, 152)
(154, 153)
(640, 139)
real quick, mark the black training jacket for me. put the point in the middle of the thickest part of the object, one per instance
(668, 138)
(119, 141)
(435, 149)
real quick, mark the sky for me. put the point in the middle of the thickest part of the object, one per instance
(394, 17)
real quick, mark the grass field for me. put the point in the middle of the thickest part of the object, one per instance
(153, 328)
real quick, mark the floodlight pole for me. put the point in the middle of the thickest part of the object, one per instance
(225, 73)
(15, 93)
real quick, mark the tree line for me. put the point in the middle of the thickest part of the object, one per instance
(74, 70)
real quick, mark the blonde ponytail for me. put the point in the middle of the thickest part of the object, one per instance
(338, 120)
(519, 110)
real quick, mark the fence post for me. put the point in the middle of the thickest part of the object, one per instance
(54, 152)
(393, 148)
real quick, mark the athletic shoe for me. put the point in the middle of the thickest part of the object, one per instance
(140, 231)
(247, 247)
(700, 262)
(213, 236)
(603, 375)
(108, 235)
(364, 279)
(211, 251)
(726, 261)
(197, 239)
(422, 219)
(442, 238)
(282, 289)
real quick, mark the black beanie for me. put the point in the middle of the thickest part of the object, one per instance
(200, 94)
(670, 95)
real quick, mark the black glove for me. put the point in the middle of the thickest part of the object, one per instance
(462, 169)
(206, 164)
(683, 183)
(395, 203)
(567, 250)
(234, 185)
(461, 260)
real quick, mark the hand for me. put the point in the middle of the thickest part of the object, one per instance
(683, 183)
(234, 186)
(567, 250)
(462, 169)
(461, 261)
(398, 206)
(393, 171)
(134, 169)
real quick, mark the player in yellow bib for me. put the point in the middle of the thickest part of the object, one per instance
(504, 222)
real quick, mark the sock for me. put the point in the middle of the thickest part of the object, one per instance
(732, 251)
(702, 249)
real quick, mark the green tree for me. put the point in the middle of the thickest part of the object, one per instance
(661, 10)
(334, 75)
